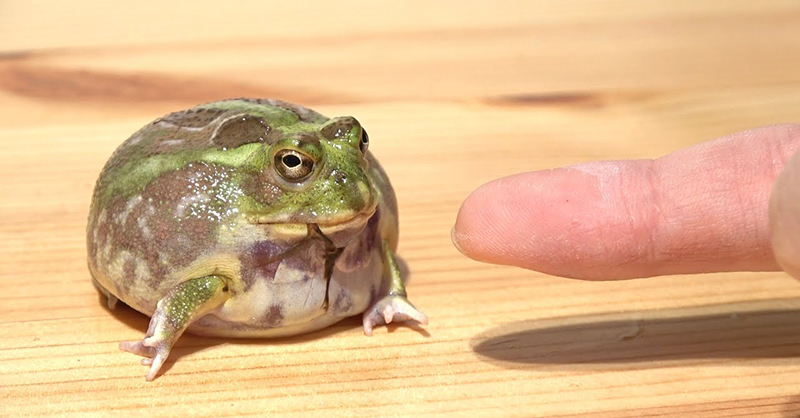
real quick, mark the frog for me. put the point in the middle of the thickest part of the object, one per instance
(246, 218)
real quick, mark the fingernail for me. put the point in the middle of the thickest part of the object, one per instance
(455, 239)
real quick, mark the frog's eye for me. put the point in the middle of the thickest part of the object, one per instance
(364, 144)
(293, 165)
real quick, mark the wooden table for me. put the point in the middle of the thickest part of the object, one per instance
(454, 94)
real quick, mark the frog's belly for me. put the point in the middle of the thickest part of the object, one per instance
(294, 301)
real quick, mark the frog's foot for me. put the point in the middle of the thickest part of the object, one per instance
(154, 350)
(391, 308)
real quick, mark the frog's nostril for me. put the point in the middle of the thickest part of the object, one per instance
(364, 144)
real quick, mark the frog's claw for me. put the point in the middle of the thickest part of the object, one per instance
(391, 308)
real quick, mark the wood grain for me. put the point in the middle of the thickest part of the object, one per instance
(453, 95)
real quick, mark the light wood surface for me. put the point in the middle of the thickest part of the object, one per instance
(454, 94)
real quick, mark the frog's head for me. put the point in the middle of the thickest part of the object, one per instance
(314, 174)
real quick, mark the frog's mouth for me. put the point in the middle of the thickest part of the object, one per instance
(343, 233)
(339, 233)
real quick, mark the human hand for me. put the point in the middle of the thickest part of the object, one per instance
(732, 204)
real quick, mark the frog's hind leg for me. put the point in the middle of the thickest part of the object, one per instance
(182, 305)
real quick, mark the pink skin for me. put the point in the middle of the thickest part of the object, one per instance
(705, 208)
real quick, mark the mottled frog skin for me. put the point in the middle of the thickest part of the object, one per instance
(246, 218)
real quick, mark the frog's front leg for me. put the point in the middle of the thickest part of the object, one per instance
(394, 306)
(182, 305)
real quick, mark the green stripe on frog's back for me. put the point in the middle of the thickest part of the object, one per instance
(134, 175)
(299, 127)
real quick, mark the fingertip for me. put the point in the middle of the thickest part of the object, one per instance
(513, 220)
(477, 222)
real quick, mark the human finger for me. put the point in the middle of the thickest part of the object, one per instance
(700, 209)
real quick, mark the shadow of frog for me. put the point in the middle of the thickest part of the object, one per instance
(768, 329)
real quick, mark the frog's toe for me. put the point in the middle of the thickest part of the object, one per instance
(392, 308)
(111, 300)
(371, 319)
(154, 351)
(136, 347)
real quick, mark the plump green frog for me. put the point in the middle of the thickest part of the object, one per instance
(246, 218)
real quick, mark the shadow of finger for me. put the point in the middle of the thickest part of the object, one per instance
(760, 329)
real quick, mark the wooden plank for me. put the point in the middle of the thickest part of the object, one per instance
(453, 97)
